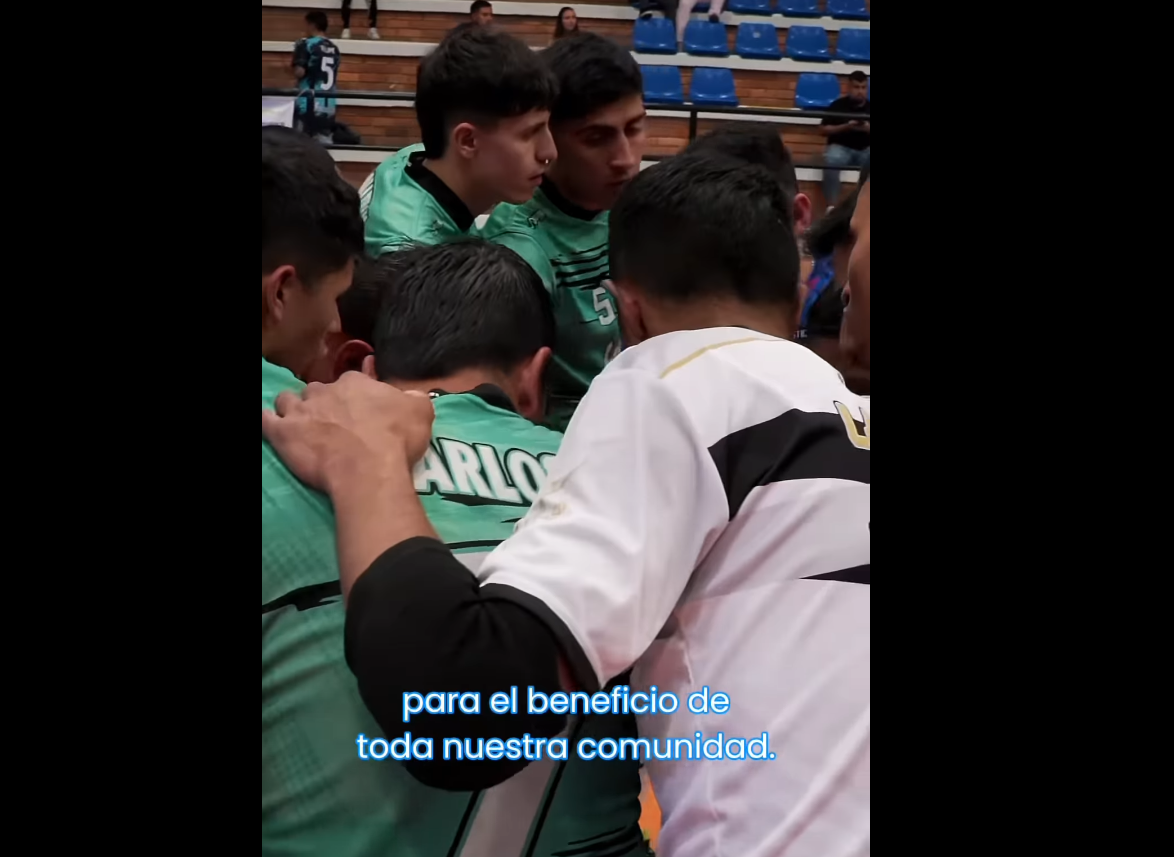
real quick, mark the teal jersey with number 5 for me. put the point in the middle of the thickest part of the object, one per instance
(482, 472)
(568, 248)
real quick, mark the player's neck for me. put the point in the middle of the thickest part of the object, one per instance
(449, 172)
(771, 320)
(458, 382)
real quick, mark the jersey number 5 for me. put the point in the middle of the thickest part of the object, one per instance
(328, 70)
(604, 306)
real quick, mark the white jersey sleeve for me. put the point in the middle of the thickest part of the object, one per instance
(632, 503)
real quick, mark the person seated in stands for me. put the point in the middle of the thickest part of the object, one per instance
(481, 13)
(483, 102)
(567, 23)
(849, 141)
(315, 66)
(372, 19)
(684, 12)
(469, 324)
(598, 128)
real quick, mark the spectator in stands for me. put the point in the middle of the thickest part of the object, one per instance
(567, 23)
(849, 142)
(598, 128)
(315, 66)
(685, 11)
(481, 13)
(311, 234)
(372, 19)
(483, 102)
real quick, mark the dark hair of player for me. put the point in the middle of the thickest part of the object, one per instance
(703, 225)
(478, 5)
(753, 142)
(461, 305)
(858, 77)
(358, 308)
(318, 21)
(835, 228)
(309, 214)
(480, 76)
(592, 73)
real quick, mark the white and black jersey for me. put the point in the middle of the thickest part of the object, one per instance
(707, 520)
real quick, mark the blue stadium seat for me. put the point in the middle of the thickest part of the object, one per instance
(800, 8)
(701, 6)
(816, 91)
(655, 36)
(749, 7)
(758, 42)
(713, 86)
(855, 45)
(848, 10)
(706, 39)
(808, 43)
(662, 84)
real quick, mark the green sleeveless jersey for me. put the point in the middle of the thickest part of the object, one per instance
(318, 798)
(403, 203)
(568, 247)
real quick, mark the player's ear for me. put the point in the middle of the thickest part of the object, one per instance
(273, 291)
(632, 324)
(530, 391)
(351, 357)
(464, 140)
(802, 214)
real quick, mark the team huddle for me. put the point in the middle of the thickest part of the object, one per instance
(575, 449)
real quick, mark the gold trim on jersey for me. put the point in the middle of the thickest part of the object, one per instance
(681, 364)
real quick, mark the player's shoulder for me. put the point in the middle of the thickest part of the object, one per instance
(507, 219)
(275, 380)
(730, 378)
(486, 416)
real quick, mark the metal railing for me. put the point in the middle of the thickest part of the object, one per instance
(692, 110)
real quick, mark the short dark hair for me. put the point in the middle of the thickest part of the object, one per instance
(459, 305)
(309, 214)
(592, 73)
(703, 225)
(835, 228)
(858, 77)
(477, 75)
(478, 5)
(358, 308)
(755, 143)
(318, 21)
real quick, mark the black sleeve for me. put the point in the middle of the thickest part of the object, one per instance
(835, 107)
(419, 622)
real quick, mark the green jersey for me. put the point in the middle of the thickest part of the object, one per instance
(568, 248)
(317, 796)
(405, 203)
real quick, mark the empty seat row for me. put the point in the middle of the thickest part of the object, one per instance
(711, 86)
(844, 10)
(818, 91)
(754, 41)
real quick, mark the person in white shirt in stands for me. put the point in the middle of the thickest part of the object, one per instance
(708, 520)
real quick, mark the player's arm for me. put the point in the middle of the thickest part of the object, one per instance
(301, 60)
(589, 580)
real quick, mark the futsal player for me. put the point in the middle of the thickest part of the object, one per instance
(315, 64)
(483, 102)
(598, 127)
(707, 518)
(470, 325)
(311, 235)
